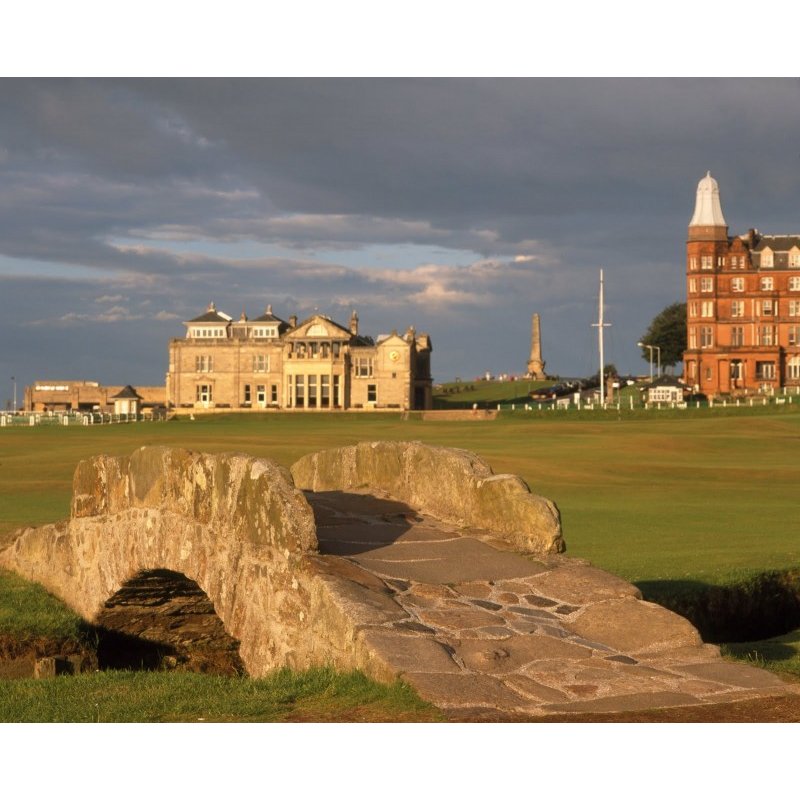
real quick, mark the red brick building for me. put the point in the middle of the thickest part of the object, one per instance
(742, 305)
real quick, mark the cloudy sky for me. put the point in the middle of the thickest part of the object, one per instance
(460, 206)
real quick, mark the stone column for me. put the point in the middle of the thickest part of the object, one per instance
(535, 363)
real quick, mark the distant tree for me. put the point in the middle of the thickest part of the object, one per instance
(667, 331)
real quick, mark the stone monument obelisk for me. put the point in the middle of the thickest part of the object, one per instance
(535, 363)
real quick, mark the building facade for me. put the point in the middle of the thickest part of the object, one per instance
(742, 305)
(315, 365)
(45, 396)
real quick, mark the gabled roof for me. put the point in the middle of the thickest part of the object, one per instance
(318, 319)
(128, 392)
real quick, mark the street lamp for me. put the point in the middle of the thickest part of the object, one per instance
(14, 381)
(651, 347)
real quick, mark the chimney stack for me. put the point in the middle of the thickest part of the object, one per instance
(293, 321)
(354, 323)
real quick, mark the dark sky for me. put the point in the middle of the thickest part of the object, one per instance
(460, 206)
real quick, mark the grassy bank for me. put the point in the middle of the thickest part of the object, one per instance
(318, 694)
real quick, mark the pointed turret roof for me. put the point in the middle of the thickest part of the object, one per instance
(707, 208)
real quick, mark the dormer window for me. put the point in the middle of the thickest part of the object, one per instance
(794, 259)
(767, 259)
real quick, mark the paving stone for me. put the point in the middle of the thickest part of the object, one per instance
(641, 701)
(467, 691)
(458, 618)
(541, 602)
(701, 688)
(508, 597)
(740, 675)
(631, 625)
(408, 653)
(577, 585)
(495, 632)
(512, 586)
(415, 627)
(582, 689)
(398, 585)
(566, 610)
(533, 689)
(430, 590)
(486, 604)
(531, 613)
(509, 655)
(622, 659)
(474, 589)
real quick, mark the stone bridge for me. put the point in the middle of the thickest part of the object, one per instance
(400, 559)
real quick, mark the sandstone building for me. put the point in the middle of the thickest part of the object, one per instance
(317, 364)
(44, 396)
(743, 304)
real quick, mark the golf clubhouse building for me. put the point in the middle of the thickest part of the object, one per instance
(314, 365)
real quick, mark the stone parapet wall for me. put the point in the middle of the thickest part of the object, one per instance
(453, 485)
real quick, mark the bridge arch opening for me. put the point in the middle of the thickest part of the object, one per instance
(162, 620)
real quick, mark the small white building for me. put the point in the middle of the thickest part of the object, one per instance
(665, 389)
(127, 401)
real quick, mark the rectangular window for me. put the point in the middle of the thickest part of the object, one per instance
(274, 398)
(794, 284)
(768, 308)
(261, 395)
(693, 263)
(692, 338)
(261, 363)
(312, 391)
(794, 335)
(737, 284)
(372, 393)
(794, 260)
(765, 370)
(204, 364)
(767, 284)
(324, 391)
(793, 368)
(247, 398)
(363, 367)
(737, 336)
(706, 262)
(692, 309)
(766, 259)
(794, 308)
(692, 284)
(720, 261)
(737, 370)
(766, 335)
(299, 391)
(337, 400)
(706, 337)
(707, 309)
(737, 308)
(706, 284)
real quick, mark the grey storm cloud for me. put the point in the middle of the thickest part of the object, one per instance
(161, 192)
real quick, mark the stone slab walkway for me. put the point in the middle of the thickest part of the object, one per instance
(476, 627)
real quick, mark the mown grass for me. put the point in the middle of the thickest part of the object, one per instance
(780, 654)
(320, 695)
(27, 611)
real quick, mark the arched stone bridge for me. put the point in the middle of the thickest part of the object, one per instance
(399, 559)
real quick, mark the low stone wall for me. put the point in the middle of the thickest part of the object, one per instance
(452, 485)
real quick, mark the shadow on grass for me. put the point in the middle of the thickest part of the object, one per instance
(757, 608)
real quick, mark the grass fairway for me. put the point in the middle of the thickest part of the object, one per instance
(706, 496)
